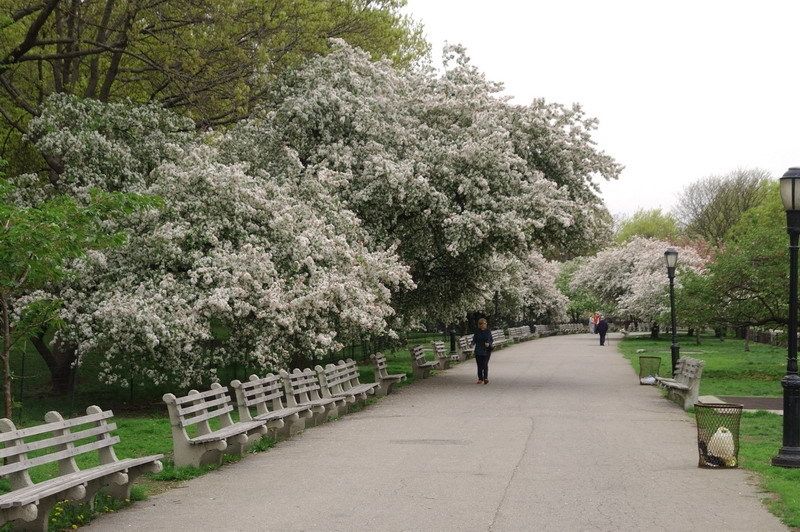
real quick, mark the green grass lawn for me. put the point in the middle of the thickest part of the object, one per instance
(143, 426)
(729, 370)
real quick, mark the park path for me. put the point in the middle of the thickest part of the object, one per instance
(562, 438)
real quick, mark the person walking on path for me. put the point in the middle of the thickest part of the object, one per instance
(602, 329)
(483, 350)
(595, 321)
(591, 324)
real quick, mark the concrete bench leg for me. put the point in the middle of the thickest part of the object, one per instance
(292, 426)
(31, 518)
(123, 491)
(198, 455)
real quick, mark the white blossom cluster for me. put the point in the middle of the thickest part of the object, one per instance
(527, 288)
(358, 199)
(437, 166)
(631, 279)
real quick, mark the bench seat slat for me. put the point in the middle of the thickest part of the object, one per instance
(356, 390)
(57, 425)
(226, 432)
(280, 414)
(208, 393)
(56, 440)
(13, 467)
(52, 486)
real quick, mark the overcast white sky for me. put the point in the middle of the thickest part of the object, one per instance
(682, 89)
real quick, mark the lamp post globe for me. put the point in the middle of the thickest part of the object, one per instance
(789, 454)
(671, 260)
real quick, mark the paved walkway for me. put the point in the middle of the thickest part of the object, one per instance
(562, 438)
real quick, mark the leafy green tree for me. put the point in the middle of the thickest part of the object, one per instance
(747, 283)
(208, 59)
(36, 245)
(710, 206)
(648, 224)
(581, 302)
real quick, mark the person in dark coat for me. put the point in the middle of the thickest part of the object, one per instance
(483, 350)
(602, 329)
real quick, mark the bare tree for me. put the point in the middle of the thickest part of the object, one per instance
(708, 207)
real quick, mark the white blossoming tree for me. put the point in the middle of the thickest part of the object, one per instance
(437, 166)
(630, 280)
(238, 266)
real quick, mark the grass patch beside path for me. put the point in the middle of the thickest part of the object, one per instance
(729, 371)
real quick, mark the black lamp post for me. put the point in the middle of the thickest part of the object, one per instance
(789, 455)
(671, 259)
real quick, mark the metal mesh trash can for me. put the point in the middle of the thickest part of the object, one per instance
(648, 367)
(718, 434)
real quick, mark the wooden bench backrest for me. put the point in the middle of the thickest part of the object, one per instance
(263, 393)
(418, 352)
(303, 385)
(379, 360)
(62, 445)
(692, 368)
(439, 349)
(199, 407)
(345, 372)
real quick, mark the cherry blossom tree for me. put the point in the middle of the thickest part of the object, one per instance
(238, 266)
(630, 280)
(438, 166)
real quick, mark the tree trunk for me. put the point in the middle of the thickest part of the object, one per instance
(6, 360)
(746, 338)
(690, 332)
(697, 336)
(654, 331)
(59, 360)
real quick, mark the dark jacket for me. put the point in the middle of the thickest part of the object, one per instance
(483, 342)
(602, 326)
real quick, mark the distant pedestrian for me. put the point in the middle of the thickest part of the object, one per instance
(591, 324)
(602, 329)
(596, 320)
(483, 350)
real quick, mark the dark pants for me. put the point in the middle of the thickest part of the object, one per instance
(483, 366)
(602, 338)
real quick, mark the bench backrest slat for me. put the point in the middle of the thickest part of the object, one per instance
(49, 427)
(262, 390)
(13, 450)
(189, 421)
(201, 395)
(25, 464)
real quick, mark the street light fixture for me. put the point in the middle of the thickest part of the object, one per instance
(671, 259)
(789, 455)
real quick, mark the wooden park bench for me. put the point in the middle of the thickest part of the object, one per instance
(442, 356)
(28, 505)
(499, 339)
(684, 387)
(194, 411)
(519, 334)
(543, 330)
(341, 381)
(302, 388)
(465, 347)
(419, 364)
(267, 396)
(386, 380)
